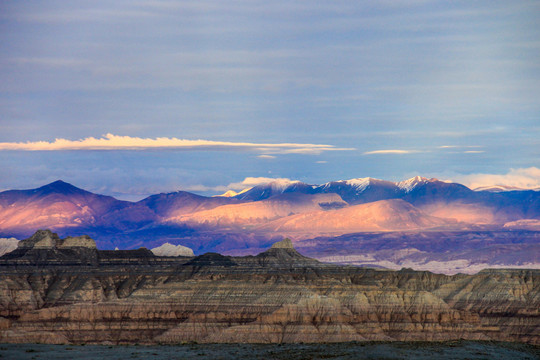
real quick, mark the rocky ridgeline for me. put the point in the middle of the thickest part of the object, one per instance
(276, 296)
(8, 245)
(46, 248)
(283, 244)
(46, 239)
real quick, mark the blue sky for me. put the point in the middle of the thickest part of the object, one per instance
(392, 89)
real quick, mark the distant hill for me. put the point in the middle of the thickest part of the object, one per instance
(383, 215)
(248, 221)
(56, 205)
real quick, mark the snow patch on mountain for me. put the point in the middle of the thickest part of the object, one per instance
(168, 249)
(410, 184)
(245, 190)
(360, 184)
(279, 185)
(229, 193)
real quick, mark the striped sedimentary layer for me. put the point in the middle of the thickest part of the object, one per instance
(277, 296)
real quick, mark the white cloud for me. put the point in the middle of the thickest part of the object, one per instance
(393, 151)
(245, 184)
(459, 146)
(443, 147)
(254, 181)
(115, 142)
(264, 156)
(525, 178)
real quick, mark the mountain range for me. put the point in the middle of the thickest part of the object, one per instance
(247, 222)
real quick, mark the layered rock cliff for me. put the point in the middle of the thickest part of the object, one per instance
(276, 296)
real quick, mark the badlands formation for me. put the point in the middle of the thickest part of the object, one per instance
(56, 290)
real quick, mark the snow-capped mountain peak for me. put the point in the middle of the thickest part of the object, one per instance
(279, 185)
(360, 184)
(409, 184)
(271, 188)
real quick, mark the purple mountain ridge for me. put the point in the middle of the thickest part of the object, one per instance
(252, 220)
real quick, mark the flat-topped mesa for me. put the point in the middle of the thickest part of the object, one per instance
(283, 244)
(46, 239)
(283, 254)
(42, 239)
(47, 248)
(77, 241)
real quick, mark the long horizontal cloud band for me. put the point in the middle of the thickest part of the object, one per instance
(115, 142)
(390, 152)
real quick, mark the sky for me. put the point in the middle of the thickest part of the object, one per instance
(131, 98)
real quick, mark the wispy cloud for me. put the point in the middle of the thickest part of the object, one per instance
(461, 149)
(51, 62)
(84, 15)
(249, 182)
(264, 156)
(525, 178)
(392, 151)
(459, 146)
(115, 142)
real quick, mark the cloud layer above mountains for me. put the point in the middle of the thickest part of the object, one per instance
(114, 142)
(210, 93)
(523, 178)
